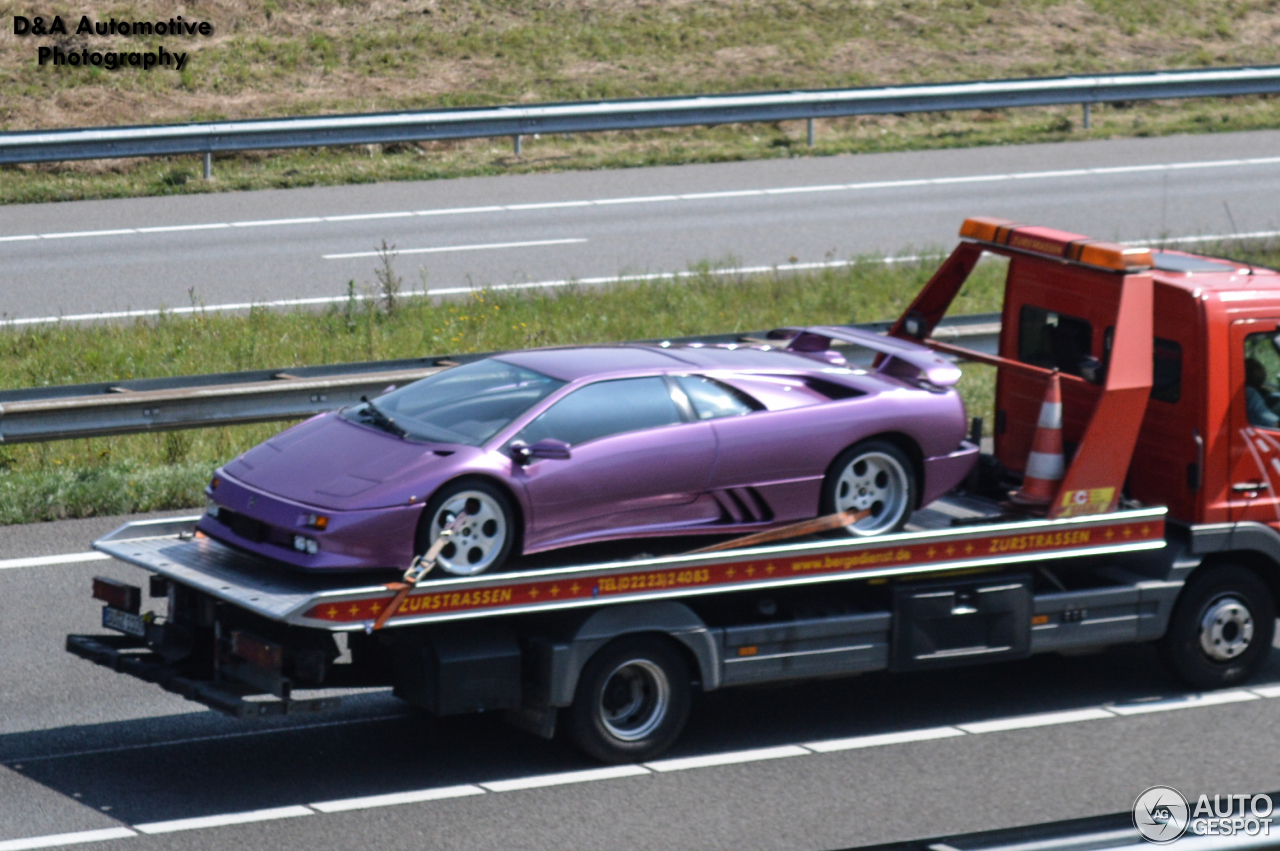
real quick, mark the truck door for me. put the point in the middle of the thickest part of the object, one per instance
(1254, 473)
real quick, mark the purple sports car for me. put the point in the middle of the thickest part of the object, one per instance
(555, 447)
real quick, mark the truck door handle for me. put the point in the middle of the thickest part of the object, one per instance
(1243, 487)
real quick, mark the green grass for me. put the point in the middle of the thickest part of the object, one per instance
(298, 57)
(102, 476)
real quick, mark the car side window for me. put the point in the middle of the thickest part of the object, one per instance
(605, 408)
(711, 400)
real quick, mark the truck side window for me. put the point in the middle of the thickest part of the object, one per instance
(1166, 371)
(1261, 363)
(1050, 339)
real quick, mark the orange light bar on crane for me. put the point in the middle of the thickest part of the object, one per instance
(1058, 244)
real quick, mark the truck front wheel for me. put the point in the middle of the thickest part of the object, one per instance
(1221, 629)
(632, 700)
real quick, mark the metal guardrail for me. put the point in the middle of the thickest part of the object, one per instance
(230, 398)
(626, 114)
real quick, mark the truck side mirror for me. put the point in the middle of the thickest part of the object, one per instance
(549, 448)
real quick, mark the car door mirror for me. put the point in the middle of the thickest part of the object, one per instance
(548, 448)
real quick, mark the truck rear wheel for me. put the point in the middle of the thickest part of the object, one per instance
(1221, 629)
(632, 700)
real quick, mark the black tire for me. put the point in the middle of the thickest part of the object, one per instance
(1221, 629)
(478, 548)
(865, 471)
(632, 700)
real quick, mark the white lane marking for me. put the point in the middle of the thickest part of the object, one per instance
(731, 758)
(396, 798)
(198, 739)
(58, 839)
(41, 561)
(362, 217)
(173, 228)
(690, 196)
(84, 233)
(858, 742)
(453, 211)
(223, 820)
(1190, 701)
(737, 757)
(1025, 722)
(446, 248)
(563, 282)
(565, 778)
(267, 223)
(1217, 237)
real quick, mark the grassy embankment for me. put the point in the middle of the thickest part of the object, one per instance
(292, 57)
(79, 478)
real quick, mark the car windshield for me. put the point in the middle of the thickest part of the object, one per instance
(467, 404)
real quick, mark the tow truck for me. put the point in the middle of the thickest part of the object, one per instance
(1162, 528)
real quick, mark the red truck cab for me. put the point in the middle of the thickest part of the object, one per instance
(1208, 443)
(1198, 452)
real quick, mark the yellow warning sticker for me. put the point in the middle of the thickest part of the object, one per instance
(1092, 501)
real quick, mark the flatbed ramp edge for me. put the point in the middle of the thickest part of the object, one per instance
(171, 548)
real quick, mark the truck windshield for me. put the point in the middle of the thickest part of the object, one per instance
(467, 404)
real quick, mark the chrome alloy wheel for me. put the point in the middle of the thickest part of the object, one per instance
(635, 700)
(479, 542)
(876, 482)
(1226, 628)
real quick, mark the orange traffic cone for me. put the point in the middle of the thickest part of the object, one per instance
(1045, 463)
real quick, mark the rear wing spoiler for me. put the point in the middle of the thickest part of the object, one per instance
(899, 353)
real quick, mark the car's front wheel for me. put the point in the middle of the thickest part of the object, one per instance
(873, 476)
(484, 540)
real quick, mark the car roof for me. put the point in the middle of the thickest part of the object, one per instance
(578, 362)
(573, 363)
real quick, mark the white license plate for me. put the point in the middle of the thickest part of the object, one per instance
(125, 622)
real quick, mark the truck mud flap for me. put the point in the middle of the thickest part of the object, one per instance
(959, 623)
(128, 655)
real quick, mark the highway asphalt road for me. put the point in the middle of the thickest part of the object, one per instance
(88, 257)
(82, 749)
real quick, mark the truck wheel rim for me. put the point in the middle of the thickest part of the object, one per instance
(480, 540)
(873, 481)
(1226, 629)
(634, 700)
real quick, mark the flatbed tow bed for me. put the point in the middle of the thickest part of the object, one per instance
(173, 549)
(549, 607)
(1162, 527)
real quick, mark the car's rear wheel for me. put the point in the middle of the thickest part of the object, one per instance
(873, 476)
(484, 540)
